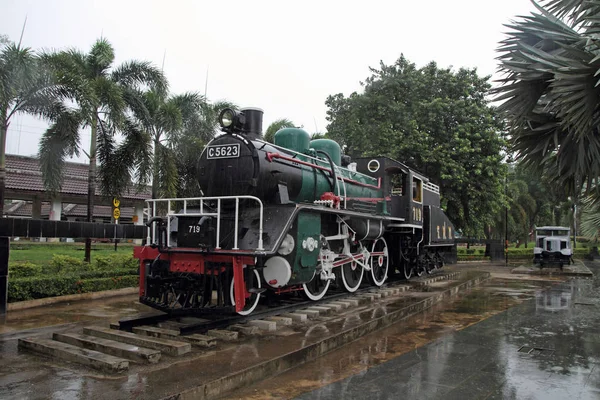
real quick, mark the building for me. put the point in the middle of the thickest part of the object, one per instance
(25, 188)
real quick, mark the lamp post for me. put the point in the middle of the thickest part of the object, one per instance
(574, 225)
(574, 207)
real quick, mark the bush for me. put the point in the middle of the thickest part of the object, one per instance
(472, 257)
(20, 289)
(24, 269)
(62, 264)
(125, 261)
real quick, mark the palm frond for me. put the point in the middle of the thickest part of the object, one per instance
(59, 141)
(100, 58)
(111, 98)
(168, 176)
(135, 152)
(113, 174)
(140, 73)
(550, 92)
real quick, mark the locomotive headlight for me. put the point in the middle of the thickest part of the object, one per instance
(287, 246)
(226, 118)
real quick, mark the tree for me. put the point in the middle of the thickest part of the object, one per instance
(190, 142)
(550, 91)
(163, 118)
(102, 94)
(436, 121)
(590, 217)
(275, 126)
(26, 86)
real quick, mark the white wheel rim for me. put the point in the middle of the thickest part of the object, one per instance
(346, 285)
(408, 275)
(380, 262)
(312, 296)
(232, 296)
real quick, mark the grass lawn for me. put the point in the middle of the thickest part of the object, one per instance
(41, 253)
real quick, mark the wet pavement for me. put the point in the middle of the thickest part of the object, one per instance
(24, 375)
(516, 337)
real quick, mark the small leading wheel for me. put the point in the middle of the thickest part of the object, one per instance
(352, 275)
(439, 261)
(379, 262)
(252, 299)
(316, 288)
(407, 270)
(419, 269)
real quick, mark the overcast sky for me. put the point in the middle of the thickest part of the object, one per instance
(284, 57)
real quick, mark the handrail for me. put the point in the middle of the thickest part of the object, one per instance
(285, 149)
(152, 204)
(271, 156)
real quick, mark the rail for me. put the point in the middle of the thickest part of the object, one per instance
(153, 205)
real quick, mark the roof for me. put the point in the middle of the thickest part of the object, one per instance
(554, 228)
(24, 174)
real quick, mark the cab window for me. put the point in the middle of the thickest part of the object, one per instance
(417, 189)
(397, 181)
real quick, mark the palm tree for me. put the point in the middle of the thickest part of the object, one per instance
(164, 118)
(102, 94)
(550, 90)
(26, 86)
(275, 126)
(590, 217)
(190, 142)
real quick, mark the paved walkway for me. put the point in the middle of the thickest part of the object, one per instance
(545, 348)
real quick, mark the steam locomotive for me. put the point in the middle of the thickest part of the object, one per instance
(292, 216)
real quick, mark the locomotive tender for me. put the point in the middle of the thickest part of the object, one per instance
(293, 216)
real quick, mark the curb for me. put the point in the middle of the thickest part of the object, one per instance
(23, 305)
(275, 366)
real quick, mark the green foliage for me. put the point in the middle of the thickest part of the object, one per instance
(590, 217)
(23, 269)
(162, 118)
(514, 254)
(190, 143)
(550, 94)
(66, 274)
(26, 87)
(103, 95)
(30, 288)
(436, 121)
(275, 126)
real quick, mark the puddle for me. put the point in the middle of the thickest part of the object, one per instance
(390, 343)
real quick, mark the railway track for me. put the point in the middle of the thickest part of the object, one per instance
(145, 339)
(210, 322)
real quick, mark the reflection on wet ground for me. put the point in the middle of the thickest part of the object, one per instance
(84, 311)
(508, 339)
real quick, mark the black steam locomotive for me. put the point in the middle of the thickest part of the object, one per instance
(292, 216)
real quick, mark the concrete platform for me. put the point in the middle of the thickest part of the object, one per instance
(543, 347)
(578, 268)
(212, 373)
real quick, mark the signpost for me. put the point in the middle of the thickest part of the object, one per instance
(116, 215)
